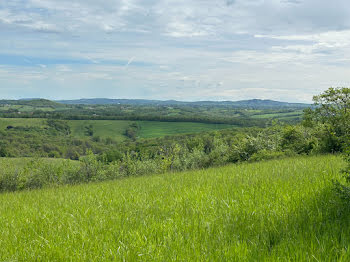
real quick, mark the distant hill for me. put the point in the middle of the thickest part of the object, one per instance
(253, 103)
(35, 102)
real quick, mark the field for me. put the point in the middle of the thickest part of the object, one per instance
(102, 128)
(282, 116)
(281, 210)
(116, 128)
(27, 122)
(150, 129)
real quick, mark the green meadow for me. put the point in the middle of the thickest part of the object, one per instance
(147, 129)
(279, 210)
(116, 128)
(151, 129)
(102, 128)
(26, 122)
(281, 116)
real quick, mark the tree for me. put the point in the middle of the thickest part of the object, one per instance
(59, 125)
(333, 107)
(332, 110)
(89, 131)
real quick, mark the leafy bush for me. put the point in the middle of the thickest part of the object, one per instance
(268, 155)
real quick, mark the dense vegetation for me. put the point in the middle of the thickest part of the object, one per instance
(104, 157)
(244, 115)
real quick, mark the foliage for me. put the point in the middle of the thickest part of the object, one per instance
(89, 130)
(241, 114)
(59, 125)
(333, 112)
(175, 153)
(132, 130)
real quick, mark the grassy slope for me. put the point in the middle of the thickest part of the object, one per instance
(116, 128)
(103, 128)
(278, 210)
(150, 129)
(29, 122)
(285, 116)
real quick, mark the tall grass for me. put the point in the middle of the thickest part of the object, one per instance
(280, 210)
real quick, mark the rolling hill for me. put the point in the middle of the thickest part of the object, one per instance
(253, 103)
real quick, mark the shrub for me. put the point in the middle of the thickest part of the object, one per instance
(268, 155)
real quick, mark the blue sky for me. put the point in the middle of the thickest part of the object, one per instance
(188, 50)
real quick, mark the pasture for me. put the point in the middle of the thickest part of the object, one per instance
(115, 129)
(282, 116)
(25, 122)
(279, 210)
(151, 129)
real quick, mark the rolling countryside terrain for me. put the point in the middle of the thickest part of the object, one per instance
(115, 129)
(173, 183)
(174, 131)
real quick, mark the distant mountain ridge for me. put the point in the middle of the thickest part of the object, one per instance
(252, 103)
(36, 102)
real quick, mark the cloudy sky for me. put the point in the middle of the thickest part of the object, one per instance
(286, 50)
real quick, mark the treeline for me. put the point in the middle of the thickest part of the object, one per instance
(237, 121)
(52, 140)
(181, 113)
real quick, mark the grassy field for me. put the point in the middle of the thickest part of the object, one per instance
(282, 116)
(116, 128)
(281, 210)
(28, 122)
(103, 128)
(150, 129)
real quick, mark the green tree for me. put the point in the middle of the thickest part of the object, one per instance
(333, 108)
(89, 130)
(332, 111)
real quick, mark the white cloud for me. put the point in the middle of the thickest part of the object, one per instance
(184, 49)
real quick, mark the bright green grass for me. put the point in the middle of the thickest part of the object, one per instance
(116, 128)
(281, 210)
(150, 129)
(280, 115)
(28, 122)
(103, 128)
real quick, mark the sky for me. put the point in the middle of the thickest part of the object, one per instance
(188, 50)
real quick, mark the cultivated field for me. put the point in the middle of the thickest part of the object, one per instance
(281, 210)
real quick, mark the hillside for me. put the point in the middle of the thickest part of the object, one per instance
(268, 211)
(253, 103)
(36, 102)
